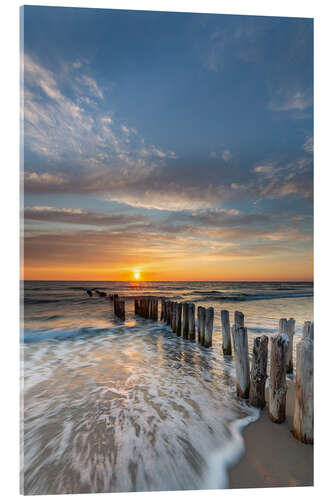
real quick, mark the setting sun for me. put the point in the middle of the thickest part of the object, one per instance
(136, 275)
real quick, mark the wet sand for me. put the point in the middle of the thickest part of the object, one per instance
(273, 457)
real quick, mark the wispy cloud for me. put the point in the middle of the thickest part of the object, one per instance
(297, 100)
(308, 145)
(78, 128)
(79, 216)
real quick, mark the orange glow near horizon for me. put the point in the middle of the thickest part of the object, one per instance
(195, 270)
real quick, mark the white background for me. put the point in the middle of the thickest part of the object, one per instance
(322, 11)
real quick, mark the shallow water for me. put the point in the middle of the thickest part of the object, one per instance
(131, 407)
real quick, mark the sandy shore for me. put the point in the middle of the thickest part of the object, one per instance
(273, 457)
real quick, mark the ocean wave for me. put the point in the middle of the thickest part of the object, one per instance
(237, 297)
(30, 335)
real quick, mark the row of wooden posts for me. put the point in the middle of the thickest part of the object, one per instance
(147, 307)
(251, 383)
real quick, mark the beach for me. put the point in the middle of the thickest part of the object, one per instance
(273, 457)
(119, 406)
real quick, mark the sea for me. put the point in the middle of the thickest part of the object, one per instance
(111, 406)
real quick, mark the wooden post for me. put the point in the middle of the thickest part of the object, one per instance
(185, 321)
(209, 323)
(152, 307)
(288, 328)
(165, 317)
(122, 310)
(277, 379)
(201, 324)
(191, 322)
(290, 333)
(174, 317)
(239, 318)
(179, 319)
(308, 330)
(226, 339)
(162, 309)
(283, 326)
(258, 372)
(119, 308)
(303, 412)
(241, 351)
(156, 309)
(168, 312)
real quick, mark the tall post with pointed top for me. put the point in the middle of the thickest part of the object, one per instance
(258, 373)
(226, 339)
(303, 412)
(277, 379)
(241, 351)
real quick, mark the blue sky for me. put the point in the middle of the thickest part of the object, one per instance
(197, 129)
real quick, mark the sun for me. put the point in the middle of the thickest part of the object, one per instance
(136, 275)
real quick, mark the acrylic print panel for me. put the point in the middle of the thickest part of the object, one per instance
(168, 161)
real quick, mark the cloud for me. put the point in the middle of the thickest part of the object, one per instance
(226, 155)
(79, 216)
(308, 145)
(267, 170)
(291, 100)
(34, 179)
(92, 85)
(77, 128)
(77, 64)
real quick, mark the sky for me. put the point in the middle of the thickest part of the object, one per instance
(175, 146)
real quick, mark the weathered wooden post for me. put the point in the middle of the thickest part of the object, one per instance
(241, 351)
(283, 326)
(119, 308)
(239, 318)
(165, 314)
(258, 373)
(290, 333)
(277, 379)
(115, 301)
(288, 328)
(162, 309)
(169, 312)
(191, 322)
(174, 317)
(185, 321)
(209, 323)
(156, 309)
(308, 330)
(179, 319)
(122, 310)
(226, 339)
(168, 306)
(303, 412)
(201, 324)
